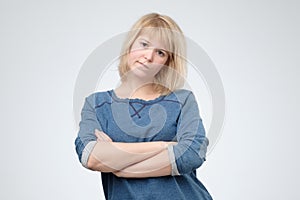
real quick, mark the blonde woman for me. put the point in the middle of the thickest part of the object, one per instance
(146, 136)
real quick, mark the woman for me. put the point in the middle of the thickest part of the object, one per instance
(146, 136)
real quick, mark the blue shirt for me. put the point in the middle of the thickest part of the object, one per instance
(173, 117)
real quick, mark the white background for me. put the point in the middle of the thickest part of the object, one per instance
(254, 45)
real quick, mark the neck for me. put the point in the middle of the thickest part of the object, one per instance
(136, 88)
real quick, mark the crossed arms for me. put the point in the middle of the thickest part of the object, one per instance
(98, 152)
(138, 160)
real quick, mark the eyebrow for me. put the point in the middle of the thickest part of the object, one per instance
(141, 38)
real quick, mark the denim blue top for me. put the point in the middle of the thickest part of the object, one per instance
(173, 117)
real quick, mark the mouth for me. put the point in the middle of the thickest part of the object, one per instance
(143, 65)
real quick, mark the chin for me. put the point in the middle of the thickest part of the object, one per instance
(141, 74)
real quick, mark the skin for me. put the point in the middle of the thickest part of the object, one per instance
(146, 58)
(131, 160)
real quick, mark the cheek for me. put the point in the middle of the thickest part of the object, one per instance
(129, 59)
(134, 54)
(132, 57)
(161, 61)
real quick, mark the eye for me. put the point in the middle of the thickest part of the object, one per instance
(144, 44)
(161, 53)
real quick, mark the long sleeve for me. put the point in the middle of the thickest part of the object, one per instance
(190, 152)
(86, 138)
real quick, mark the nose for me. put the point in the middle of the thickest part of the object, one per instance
(148, 54)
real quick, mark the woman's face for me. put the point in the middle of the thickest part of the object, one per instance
(146, 57)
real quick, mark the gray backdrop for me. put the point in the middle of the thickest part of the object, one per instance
(254, 45)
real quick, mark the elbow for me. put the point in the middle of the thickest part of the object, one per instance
(188, 163)
(93, 164)
(188, 158)
(85, 156)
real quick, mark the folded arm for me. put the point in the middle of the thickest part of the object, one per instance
(114, 156)
(158, 165)
(98, 152)
(143, 159)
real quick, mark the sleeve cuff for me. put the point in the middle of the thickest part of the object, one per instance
(86, 153)
(172, 161)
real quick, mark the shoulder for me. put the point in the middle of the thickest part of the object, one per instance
(182, 95)
(98, 98)
(183, 92)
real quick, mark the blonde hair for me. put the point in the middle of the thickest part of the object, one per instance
(172, 75)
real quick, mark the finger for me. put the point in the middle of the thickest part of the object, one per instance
(99, 135)
(106, 137)
(102, 136)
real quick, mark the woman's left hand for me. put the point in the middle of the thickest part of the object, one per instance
(102, 137)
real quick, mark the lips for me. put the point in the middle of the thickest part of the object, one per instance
(143, 64)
